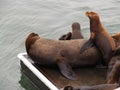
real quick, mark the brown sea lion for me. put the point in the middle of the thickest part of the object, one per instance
(76, 33)
(64, 53)
(100, 37)
(95, 87)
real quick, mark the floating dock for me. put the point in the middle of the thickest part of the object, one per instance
(52, 79)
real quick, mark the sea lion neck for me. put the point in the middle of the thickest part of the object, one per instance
(95, 24)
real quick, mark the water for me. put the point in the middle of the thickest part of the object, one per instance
(48, 18)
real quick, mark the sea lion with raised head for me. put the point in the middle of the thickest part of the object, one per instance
(64, 53)
(76, 33)
(100, 37)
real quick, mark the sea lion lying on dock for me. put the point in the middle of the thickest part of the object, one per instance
(63, 53)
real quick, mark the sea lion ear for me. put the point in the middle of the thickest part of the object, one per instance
(66, 69)
(87, 45)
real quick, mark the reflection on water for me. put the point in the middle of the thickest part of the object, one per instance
(29, 81)
(48, 18)
(26, 83)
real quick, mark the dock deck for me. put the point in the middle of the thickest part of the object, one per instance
(52, 78)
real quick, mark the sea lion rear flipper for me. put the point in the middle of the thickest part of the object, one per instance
(66, 69)
(87, 45)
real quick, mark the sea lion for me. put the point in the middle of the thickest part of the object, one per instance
(100, 37)
(76, 33)
(63, 53)
(94, 87)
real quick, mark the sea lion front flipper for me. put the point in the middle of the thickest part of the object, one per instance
(87, 45)
(66, 36)
(66, 69)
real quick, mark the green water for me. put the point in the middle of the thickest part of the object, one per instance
(48, 18)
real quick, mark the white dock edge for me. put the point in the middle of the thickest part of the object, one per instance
(49, 84)
(117, 88)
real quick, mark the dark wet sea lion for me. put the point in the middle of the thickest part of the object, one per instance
(64, 53)
(95, 87)
(100, 37)
(76, 33)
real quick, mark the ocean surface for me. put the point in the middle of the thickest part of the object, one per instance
(49, 19)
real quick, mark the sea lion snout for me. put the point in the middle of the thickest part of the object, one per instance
(87, 13)
(91, 14)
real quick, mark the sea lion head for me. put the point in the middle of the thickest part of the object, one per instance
(92, 15)
(95, 22)
(30, 40)
(75, 26)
